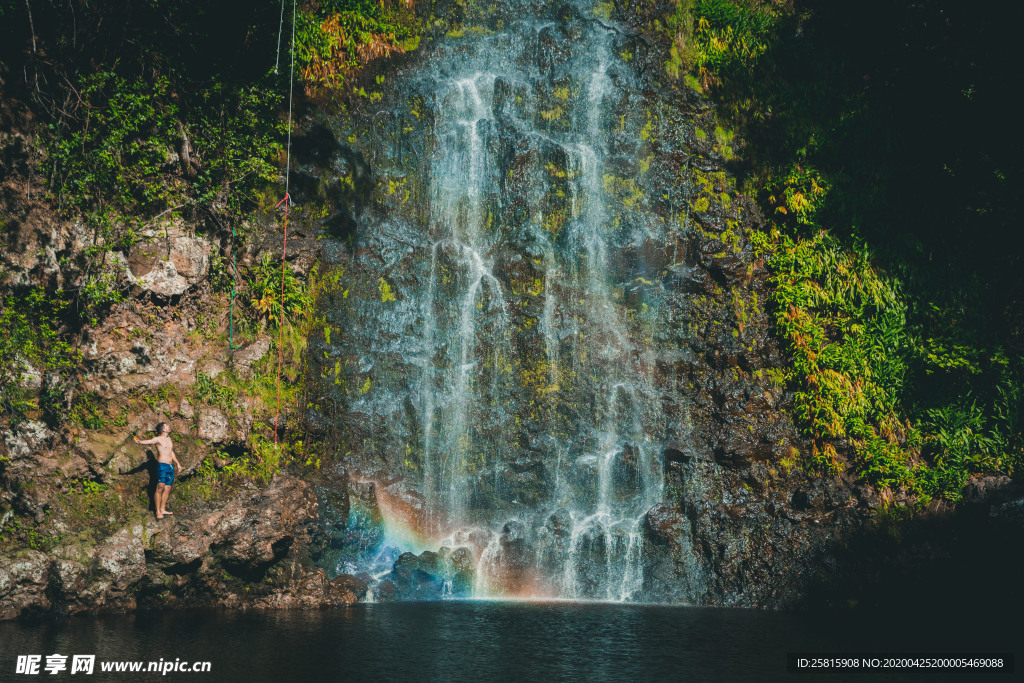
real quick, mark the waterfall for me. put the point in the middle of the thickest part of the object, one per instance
(523, 397)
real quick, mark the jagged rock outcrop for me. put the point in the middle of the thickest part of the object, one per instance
(167, 261)
(249, 552)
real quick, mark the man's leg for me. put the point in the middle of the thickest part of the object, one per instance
(161, 490)
(167, 494)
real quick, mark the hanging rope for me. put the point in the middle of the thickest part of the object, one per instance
(284, 247)
(234, 277)
(235, 267)
(280, 29)
(280, 325)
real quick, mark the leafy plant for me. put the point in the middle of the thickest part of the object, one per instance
(266, 291)
(344, 35)
(727, 36)
(207, 390)
(32, 345)
(901, 321)
(1007, 426)
(87, 412)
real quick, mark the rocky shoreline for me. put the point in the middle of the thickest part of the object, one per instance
(246, 554)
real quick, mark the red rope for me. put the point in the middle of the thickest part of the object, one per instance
(280, 322)
(284, 247)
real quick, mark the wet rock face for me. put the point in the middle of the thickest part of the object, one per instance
(554, 328)
(497, 357)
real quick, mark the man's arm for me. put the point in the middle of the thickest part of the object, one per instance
(174, 459)
(147, 442)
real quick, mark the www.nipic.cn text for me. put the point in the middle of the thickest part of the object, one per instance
(86, 664)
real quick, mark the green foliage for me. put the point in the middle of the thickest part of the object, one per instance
(265, 292)
(86, 505)
(119, 152)
(131, 146)
(172, 110)
(796, 196)
(208, 391)
(158, 398)
(386, 293)
(846, 327)
(220, 273)
(341, 36)
(86, 411)
(1007, 423)
(728, 35)
(886, 235)
(96, 507)
(958, 443)
(852, 359)
(238, 135)
(16, 532)
(679, 24)
(32, 341)
(258, 464)
(266, 458)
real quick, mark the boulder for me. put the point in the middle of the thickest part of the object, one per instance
(23, 580)
(162, 280)
(213, 425)
(247, 553)
(417, 577)
(118, 566)
(168, 260)
(244, 358)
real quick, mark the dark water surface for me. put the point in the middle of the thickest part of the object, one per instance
(468, 641)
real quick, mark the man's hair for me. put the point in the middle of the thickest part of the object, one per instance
(160, 428)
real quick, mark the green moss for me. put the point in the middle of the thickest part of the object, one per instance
(386, 294)
(603, 10)
(552, 114)
(625, 191)
(645, 132)
(553, 222)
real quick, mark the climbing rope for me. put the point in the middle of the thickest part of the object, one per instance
(234, 277)
(286, 201)
(234, 262)
(280, 325)
(284, 247)
(280, 29)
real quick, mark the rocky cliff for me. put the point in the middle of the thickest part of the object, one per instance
(75, 492)
(540, 362)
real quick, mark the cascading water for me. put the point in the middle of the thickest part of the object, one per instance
(505, 390)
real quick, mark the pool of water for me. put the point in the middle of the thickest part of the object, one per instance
(469, 641)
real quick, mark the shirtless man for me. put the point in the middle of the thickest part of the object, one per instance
(166, 462)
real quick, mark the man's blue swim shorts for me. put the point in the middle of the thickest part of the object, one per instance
(166, 474)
